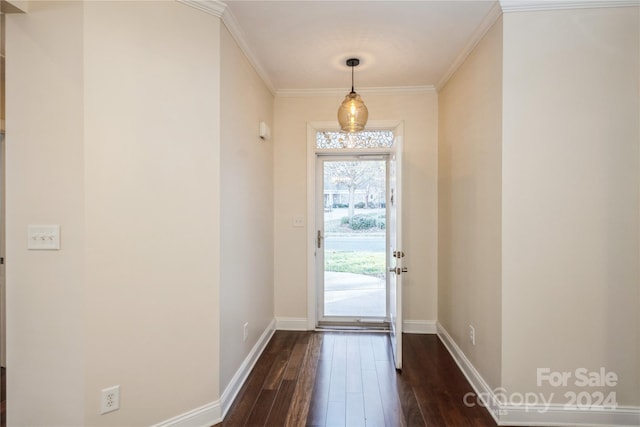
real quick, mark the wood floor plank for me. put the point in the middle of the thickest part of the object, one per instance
(272, 381)
(373, 412)
(447, 405)
(281, 404)
(354, 410)
(354, 366)
(337, 386)
(295, 361)
(367, 360)
(338, 376)
(336, 413)
(328, 342)
(410, 407)
(264, 374)
(381, 348)
(391, 405)
(431, 411)
(339, 358)
(262, 408)
(279, 340)
(320, 397)
(301, 401)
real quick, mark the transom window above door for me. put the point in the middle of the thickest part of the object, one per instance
(368, 139)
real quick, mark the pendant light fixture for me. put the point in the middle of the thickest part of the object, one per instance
(352, 114)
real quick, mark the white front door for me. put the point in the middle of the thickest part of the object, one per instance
(395, 254)
(351, 240)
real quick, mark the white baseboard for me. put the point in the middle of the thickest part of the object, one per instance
(214, 412)
(419, 326)
(291, 324)
(203, 416)
(559, 415)
(234, 386)
(536, 415)
(478, 383)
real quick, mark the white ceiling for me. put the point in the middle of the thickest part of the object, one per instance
(303, 45)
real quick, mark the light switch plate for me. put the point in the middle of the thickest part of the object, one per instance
(43, 237)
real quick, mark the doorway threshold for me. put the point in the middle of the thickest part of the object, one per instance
(360, 326)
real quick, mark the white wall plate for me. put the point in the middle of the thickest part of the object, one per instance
(43, 237)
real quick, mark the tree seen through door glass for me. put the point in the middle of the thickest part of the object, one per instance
(355, 238)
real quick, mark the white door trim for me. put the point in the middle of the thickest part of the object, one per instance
(312, 129)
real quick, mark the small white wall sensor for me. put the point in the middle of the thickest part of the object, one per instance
(265, 132)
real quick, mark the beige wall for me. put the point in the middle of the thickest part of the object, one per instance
(570, 196)
(246, 276)
(45, 184)
(469, 204)
(419, 113)
(114, 135)
(540, 126)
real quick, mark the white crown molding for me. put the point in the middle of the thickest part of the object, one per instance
(238, 35)
(219, 9)
(535, 5)
(507, 6)
(488, 21)
(395, 90)
(212, 7)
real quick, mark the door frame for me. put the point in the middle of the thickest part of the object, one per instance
(397, 126)
(3, 276)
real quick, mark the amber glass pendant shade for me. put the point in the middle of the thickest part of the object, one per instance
(352, 114)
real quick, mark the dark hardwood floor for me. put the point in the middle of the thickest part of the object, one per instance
(349, 379)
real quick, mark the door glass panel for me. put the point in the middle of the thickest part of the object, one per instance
(355, 239)
(332, 140)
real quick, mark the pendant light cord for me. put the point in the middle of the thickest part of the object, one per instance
(352, 90)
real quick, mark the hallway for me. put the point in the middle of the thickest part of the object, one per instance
(348, 379)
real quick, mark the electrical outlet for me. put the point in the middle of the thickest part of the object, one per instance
(245, 331)
(472, 335)
(110, 399)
